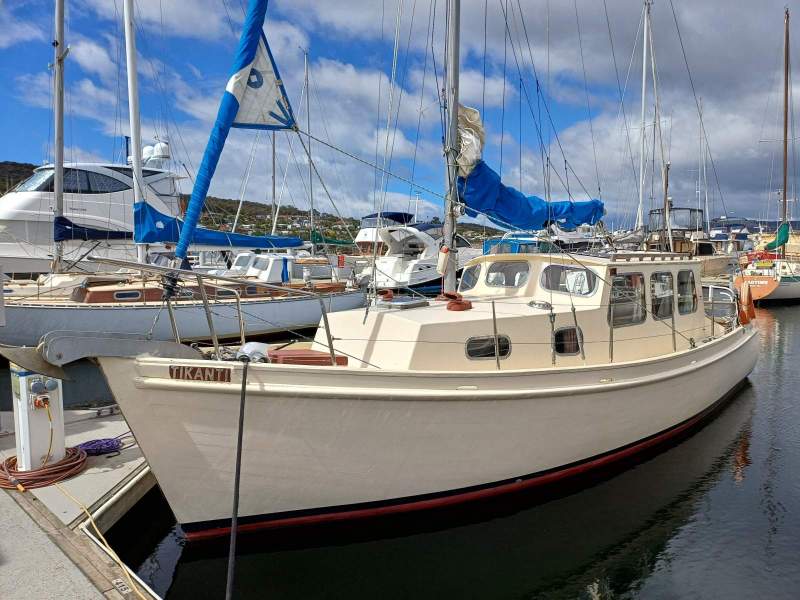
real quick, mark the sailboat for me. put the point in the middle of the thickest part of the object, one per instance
(126, 303)
(537, 369)
(773, 275)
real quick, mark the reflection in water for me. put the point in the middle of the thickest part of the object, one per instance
(706, 518)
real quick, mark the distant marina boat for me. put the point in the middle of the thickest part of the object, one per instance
(773, 274)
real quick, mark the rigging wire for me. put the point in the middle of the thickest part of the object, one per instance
(697, 103)
(588, 104)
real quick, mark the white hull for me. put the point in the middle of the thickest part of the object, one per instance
(318, 438)
(26, 323)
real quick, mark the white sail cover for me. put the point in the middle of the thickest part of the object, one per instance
(260, 93)
(470, 139)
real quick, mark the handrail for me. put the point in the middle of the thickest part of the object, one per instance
(128, 264)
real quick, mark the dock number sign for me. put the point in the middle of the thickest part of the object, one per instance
(213, 374)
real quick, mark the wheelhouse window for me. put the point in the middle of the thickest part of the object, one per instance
(627, 306)
(508, 274)
(469, 278)
(661, 295)
(567, 340)
(40, 181)
(687, 293)
(571, 280)
(483, 347)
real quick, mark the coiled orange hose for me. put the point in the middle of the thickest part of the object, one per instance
(73, 463)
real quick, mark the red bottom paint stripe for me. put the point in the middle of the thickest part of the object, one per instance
(523, 483)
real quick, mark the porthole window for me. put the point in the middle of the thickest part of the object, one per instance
(687, 293)
(570, 280)
(661, 295)
(469, 278)
(568, 340)
(128, 295)
(251, 290)
(483, 347)
(508, 273)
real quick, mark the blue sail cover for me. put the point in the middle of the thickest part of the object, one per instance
(153, 226)
(483, 193)
(65, 230)
(254, 98)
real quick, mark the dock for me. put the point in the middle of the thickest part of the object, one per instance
(48, 547)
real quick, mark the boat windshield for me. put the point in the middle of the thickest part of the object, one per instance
(40, 181)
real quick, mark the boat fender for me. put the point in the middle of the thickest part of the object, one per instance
(441, 264)
(459, 305)
(746, 308)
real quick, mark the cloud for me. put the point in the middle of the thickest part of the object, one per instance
(92, 57)
(17, 31)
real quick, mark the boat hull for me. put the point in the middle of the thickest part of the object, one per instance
(27, 322)
(767, 287)
(337, 443)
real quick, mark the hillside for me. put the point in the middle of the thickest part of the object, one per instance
(255, 217)
(11, 173)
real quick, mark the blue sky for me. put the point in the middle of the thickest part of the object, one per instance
(185, 50)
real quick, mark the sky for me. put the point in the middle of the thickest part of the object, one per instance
(547, 76)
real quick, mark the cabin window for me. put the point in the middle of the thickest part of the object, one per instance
(241, 260)
(103, 184)
(704, 249)
(225, 293)
(687, 293)
(567, 340)
(478, 348)
(128, 295)
(508, 274)
(261, 263)
(251, 290)
(462, 242)
(469, 278)
(661, 295)
(571, 280)
(76, 182)
(627, 306)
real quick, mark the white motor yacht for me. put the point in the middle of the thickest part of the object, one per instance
(98, 213)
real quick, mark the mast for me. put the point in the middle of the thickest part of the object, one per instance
(451, 147)
(785, 215)
(133, 114)
(646, 30)
(310, 166)
(58, 150)
(274, 198)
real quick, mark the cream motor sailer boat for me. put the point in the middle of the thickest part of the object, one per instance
(545, 368)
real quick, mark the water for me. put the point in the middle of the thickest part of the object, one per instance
(715, 516)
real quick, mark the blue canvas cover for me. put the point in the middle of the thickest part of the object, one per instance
(483, 193)
(153, 226)
(65, 230)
